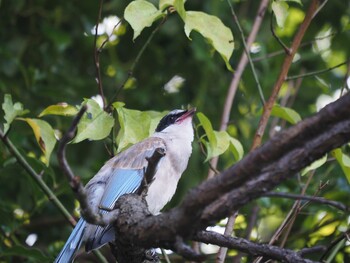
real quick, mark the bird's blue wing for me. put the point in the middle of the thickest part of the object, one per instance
(122, 181)
(73, 243)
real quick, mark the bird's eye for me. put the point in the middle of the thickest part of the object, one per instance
(172, 119)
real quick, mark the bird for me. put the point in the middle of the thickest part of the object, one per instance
(124, 173)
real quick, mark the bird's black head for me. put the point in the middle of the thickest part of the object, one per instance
(172, 117)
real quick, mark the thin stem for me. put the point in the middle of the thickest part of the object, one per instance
(97, 55)
(220, 258)
(284, 46)
(108, 36)
(320, 8)
(37, 178)
(282, 51)
(318, 72)
(134, 64)
(315, 199)
(247, 48)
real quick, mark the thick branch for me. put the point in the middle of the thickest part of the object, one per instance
(259, 172)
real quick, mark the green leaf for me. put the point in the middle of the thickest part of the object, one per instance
(135, 126)
(140, 14)
(316, 164)
(25, 252)
(211, 27)
(285, 113)
(62, 109)
(11, 111)
(218, 141)
(236, 148)
(44, 135)
(280, 9)
(208, 128)
(344, 162)
(96, 124)
(180, 8)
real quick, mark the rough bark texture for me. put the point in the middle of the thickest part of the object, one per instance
(259, 172)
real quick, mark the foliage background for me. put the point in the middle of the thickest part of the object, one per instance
(46, 57)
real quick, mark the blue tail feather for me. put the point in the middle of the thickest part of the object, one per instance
(73, 243)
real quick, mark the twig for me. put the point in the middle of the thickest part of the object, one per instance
(220, 258)
(89, 213)
(282, 51)
(247, 52)
(133, 66)
(315, 199)
(251, 248)
(310, 74)
(97, 55)
(285, 48)
(109, 36)
(285, 68)
(320, 8)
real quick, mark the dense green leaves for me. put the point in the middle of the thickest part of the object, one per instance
(46, 59)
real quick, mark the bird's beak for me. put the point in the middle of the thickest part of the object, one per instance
(188, 113)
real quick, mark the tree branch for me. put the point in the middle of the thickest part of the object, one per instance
(89, 213)
(316, 199)
(284, 71)
(310, 74)
(277, 160)
(251, 248)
